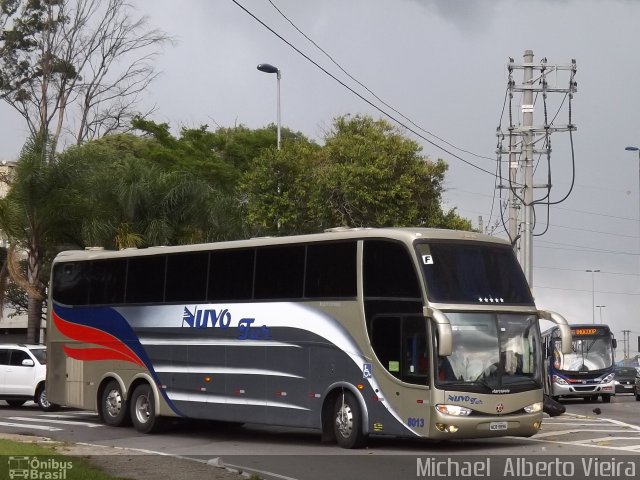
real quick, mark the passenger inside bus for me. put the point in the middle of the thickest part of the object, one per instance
(445, 371)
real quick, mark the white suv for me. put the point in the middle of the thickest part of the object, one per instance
(23, 369)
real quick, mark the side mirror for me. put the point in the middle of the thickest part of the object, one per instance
(27, 362)
(614, 342)
(445, 334)
(565, 330)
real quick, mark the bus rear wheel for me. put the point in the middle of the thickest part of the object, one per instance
(113, 406)
(347, 422)
(143, 410)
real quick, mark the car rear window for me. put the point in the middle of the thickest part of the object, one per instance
(40, 354)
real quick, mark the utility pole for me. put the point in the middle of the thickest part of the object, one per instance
(522, 148)
(625, 344)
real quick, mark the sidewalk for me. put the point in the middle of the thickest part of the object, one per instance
(133, 465)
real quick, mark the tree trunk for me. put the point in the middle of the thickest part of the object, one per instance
(34, 319)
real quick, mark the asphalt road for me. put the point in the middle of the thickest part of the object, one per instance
(612, 430)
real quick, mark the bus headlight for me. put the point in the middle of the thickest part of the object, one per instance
(455, 410)
(608, 378)
(559, 380)
(533, 408)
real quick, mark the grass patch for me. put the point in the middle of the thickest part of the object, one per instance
(33, 461)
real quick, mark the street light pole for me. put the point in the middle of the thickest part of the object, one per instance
(600, 307)
(267, 68)
(593, 294)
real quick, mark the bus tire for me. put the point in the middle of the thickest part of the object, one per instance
(113, 406)
(606, 398)
(347, 422)
(143, 410)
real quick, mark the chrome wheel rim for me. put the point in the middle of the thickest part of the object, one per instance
(344, 420)
(113, 404)
(142, 409)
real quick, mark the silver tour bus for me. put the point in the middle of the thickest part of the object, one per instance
(407, 332)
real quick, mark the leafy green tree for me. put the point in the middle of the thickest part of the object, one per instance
(277, 189)
(373, 176)
(132, 202)
(367, 174)
(219, 156)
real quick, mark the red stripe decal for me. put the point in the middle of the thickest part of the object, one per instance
(93, 354)
(82, 333)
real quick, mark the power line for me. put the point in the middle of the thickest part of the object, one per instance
(582, 271)
(385, 113)
(369, 90)
(580, 248)
(587, 291)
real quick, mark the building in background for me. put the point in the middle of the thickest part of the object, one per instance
(13, 329)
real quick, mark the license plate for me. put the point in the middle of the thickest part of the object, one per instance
(498, 426)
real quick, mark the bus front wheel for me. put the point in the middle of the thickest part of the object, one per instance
(606, 398)
(347, 422)
(143, 410)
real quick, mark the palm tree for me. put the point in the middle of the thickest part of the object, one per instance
(35, 218)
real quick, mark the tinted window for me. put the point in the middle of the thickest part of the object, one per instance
(231, 275)
(40, 354)
(386, 340)
(187, 277)
(388, 271)
(71, 283)
(331, 270)
(473, 273)
(17, 356)
(279, 272)
(107, 281)
(145, 279)
(4, 357)
(400, 343)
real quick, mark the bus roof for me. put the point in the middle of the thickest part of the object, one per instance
(402, 234)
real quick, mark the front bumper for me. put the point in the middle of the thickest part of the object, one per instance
(486, 426)
(584, 390)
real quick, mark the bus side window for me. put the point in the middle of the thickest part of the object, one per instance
(331, 270)
(279, 273)
(187, 277)
(145, 279)
(71, 283)
(107, 280)
(401, 346)
(231, 275)
(386, 341)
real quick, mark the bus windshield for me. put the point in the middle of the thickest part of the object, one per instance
(588, 354)
(472, 273)
(492, 352)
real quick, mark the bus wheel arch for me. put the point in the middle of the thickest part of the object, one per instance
(112, 403)
(143, 408)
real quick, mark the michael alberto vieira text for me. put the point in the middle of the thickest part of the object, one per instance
(526, 467)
